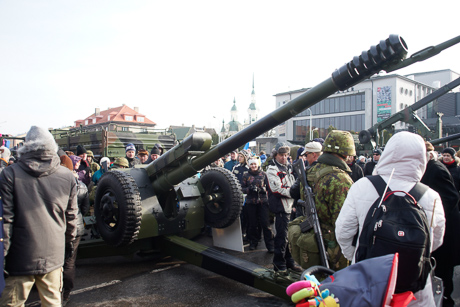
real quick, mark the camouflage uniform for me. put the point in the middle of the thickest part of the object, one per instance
(330, 182)
(93, 165)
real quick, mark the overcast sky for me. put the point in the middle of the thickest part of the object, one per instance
(183, 62)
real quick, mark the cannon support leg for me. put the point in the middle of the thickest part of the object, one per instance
(226, 265)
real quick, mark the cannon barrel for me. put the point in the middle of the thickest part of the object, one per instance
(379, 57)
(445, 139)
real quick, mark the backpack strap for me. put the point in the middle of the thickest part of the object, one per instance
(418, 190)
(378, 183)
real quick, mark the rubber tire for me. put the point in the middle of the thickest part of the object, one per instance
(120, 187)
(226, 210)
(364, 137)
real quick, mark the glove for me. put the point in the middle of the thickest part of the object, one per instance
(254, 188)
(68, 250)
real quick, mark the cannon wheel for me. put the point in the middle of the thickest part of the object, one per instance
(364, 137)
(117, 208)
(222, 212)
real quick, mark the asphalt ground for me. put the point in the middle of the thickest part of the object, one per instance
(163, 281)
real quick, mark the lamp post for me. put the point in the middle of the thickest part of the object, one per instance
(311, 132)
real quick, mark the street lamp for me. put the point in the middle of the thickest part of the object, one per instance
(311, 132)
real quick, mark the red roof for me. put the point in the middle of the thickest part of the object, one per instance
(117, 114)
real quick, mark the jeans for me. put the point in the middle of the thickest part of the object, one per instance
(282, 258)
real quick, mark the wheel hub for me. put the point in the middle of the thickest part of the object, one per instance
(109, 209)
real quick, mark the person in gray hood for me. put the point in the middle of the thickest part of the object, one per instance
(39, 212)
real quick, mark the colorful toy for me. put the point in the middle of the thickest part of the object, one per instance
(302, 294)
(306, 293)
(298, 285)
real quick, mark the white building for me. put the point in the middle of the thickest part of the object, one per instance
(363, 105)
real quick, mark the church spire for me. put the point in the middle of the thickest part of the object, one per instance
(252, 110)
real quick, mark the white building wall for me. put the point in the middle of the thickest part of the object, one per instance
(430, 78)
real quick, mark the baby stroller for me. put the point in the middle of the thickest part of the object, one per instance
(368, 283)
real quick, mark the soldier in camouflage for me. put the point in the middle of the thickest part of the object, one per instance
(330, 182)
(93, 165)
(120, 163)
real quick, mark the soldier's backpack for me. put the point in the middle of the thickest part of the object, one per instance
(398, 225)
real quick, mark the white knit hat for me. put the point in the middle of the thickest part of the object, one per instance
(5, 153)
(313, 147)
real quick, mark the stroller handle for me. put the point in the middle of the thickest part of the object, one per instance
(315, 270)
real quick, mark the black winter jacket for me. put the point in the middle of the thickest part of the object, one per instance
(254, 185)
(369, 168)
(356, 172)
(39, 212)
(448, 254)
(454, 170)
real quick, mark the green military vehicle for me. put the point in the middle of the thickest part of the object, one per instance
(110, 141)
(156, 207)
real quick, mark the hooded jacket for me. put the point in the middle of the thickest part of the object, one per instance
(279, 181)
(409, 163)
(40, 209)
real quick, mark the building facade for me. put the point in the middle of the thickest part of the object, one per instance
(361, 106)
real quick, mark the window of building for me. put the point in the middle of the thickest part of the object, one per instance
(108, 117)
(342, 104)
(128, 117)
(353, 103)
(347, 103)
(140, 118)
(124, 129)
(86, 122)
(347, 123)
(94, 120)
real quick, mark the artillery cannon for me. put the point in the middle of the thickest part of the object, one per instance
(166, 198)
(148, 207)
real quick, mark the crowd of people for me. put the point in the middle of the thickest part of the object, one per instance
(273, 192)
(343, 197)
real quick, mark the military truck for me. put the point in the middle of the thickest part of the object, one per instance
(157, 206)
(110, 140)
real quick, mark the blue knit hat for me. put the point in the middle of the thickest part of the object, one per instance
(130, 146)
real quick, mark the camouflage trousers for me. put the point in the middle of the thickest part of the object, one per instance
(304, 246)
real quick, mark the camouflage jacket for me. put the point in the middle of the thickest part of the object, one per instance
(330, 181)
(94, 167)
